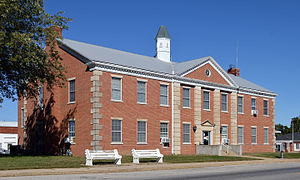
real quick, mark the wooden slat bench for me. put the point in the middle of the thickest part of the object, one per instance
(154, 153)
(102, 154)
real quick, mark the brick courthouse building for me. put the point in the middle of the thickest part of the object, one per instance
(120, 100)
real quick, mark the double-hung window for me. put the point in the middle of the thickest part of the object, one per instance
(224, 102)
(164, 130)
(240, 104)
(116, 131)
(72, 131)
(186, 133)
(72, 91)
(266, 132)
(116, 89)
(253, 104)
(142, 132)
(265, 107)
(186, 97)
(164, 94)
(206, 100)
(240, 135)
(141, 92)
(253, 135)
(40, 96)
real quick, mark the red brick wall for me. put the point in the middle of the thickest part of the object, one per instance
(131, 111)
(9, 130)
(260, 122)
(225, 117)
(200, 74)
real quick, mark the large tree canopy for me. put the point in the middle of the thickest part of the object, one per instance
(25, 62)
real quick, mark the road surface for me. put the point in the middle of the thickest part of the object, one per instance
(276, 171)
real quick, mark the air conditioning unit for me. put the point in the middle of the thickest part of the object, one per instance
(72, 140)
(254, 112)
(164, 140)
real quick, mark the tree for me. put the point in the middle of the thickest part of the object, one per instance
(296, 122)
(25, 62)
(283, 129)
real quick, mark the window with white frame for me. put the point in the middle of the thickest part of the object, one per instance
(142, 132)
(253, 135)
(297, 146)
(163, 94)
(22, 117)
(72, 91)
(116, 131)
(265, 107)
(116, 88)
(253, 104)
(186, 133)
(224, 102)
(141, 92)
(164, 130)
(72, 130)
(224, 132)
(206, 100)
(186, 97)
(240, 135)
(266, 132)
(240, 104)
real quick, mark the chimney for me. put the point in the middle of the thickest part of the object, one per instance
(233, 70)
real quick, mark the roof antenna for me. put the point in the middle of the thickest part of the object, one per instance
(237, 54)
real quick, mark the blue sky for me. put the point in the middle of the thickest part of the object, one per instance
(268, 33)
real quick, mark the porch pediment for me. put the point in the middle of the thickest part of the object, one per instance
(207, 123)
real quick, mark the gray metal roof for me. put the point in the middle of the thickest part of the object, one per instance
(243, 83)
(113, 56)
(116, 57)
(183, 67)
(163, 33)
(288, 137)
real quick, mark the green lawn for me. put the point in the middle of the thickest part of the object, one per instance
(276, 155)
(39, 162)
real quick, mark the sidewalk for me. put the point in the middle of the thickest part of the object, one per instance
(130, 167)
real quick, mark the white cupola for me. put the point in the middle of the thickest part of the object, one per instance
(163, 45)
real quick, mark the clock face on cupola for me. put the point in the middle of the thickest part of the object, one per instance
(207, 72)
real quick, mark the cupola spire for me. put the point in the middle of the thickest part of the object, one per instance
(163, 45)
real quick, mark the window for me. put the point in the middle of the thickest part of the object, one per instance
(224, 102)
(116, 89)
(163, 94)
(186, 133)
(253, 103)
(71, 91)
(141, 132)
(116, 131)
(224, 132)
(164, 130)
(72, 131)
(253, 135)
(266, 132)
(206, 100)
(22, 117)
(186, 97)
(265, 107)
(141, 92)
(240, 104)
(240, 135)
(297, 146)
(40, 96)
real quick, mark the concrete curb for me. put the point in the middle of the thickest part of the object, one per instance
(129, 167)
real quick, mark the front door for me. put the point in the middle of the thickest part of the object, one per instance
(206, 137)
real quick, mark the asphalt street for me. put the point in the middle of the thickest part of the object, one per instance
(277, 171)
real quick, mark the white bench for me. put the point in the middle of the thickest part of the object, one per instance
(102, 154)
(155, 153)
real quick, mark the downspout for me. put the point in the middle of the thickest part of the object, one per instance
(172, 66)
